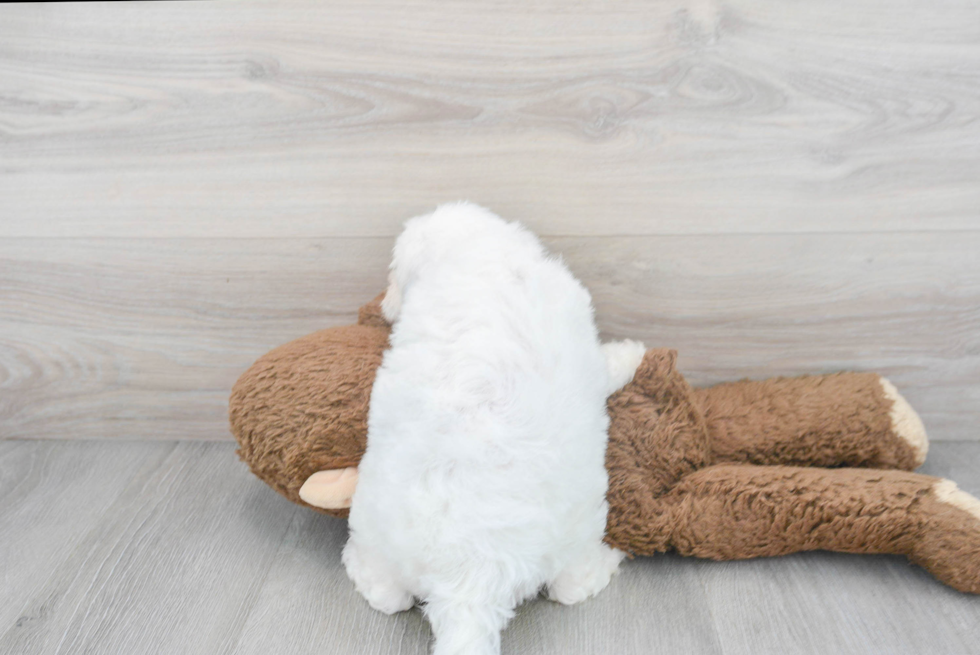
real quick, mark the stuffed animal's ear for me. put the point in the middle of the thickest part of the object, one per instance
(371, 315)
(330, 489)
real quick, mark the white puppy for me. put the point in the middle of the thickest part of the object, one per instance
(484, 475)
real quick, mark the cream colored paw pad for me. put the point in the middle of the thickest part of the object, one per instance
(906, 422)
(947, 491)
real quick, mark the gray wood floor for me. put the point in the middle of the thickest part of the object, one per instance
(173, 547)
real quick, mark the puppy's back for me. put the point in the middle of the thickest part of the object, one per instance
(486, 310)
(486, 434)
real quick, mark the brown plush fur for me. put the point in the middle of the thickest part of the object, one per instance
(302, 407)
(729, 472)
(819, 420)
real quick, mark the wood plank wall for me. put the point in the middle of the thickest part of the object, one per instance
(773, 188)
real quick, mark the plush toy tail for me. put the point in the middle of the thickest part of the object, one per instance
(845, 419)
(736, 512)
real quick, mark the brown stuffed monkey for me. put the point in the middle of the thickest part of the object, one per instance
(737, 470)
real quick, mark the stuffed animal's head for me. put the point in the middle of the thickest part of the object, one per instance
(302, 408)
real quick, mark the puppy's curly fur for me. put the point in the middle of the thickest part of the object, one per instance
(483, 478)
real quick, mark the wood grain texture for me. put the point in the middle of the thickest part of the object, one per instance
(144, 339)
(770, 188)
(51, 497)
(342, 118)
(184, 551)
(173, 565)
(116, 338)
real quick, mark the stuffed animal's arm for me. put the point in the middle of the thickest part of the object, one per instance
(845, 419)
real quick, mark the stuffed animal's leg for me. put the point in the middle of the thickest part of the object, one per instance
(731, 511)
(846, 419)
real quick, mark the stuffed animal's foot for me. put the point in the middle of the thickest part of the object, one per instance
(906, 423)
(372, 580)
(622, 360)
(586, 576)
(949, 545)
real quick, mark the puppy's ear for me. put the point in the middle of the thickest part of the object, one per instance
(391, 306)
(371, 314)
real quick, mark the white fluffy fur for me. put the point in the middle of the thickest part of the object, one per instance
(622, 360)
(484, 475)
